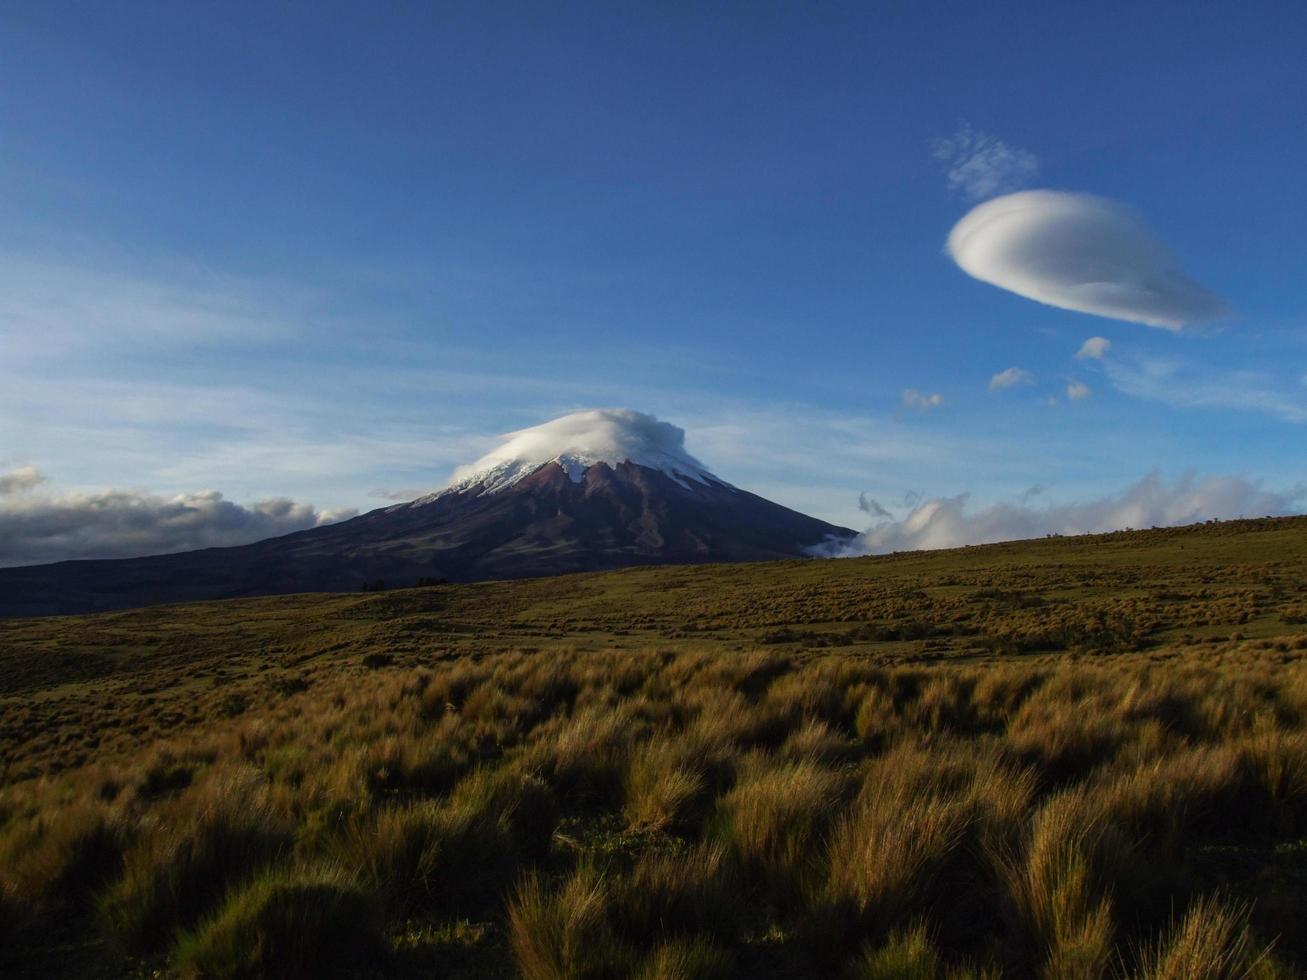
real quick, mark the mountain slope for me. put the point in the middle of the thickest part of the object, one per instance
(510, 516)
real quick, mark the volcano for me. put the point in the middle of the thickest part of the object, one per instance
(600, 489)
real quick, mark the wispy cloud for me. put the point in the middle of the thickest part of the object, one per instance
(980, 165)
(872, 506)
(1010, 378)
(1182, 384)
(1079, 252)
(58, 307)
(1077, 391)
(402, 496)
(950, 522)
(921, 400)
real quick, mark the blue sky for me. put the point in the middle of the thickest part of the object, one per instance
(328, 251)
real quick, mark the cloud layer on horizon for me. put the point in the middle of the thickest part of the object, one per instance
(1079, 252)
(38, 528)
(948, 522)
(19, 480)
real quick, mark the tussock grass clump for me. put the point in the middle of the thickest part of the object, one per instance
(563, 934)
(885, 853)
(53, 863)
(693, 959)
(1058, 893)
(681, 894)
(774, 818)
(454, 855)
(817, 740)
(293, 924)
(819, 695)
(906, 955)
(398, 852)
(1064, 737)
(425, 764)
(207, 840)
(583, 758)
(1211, 941)
(725, 717)
(666, 787)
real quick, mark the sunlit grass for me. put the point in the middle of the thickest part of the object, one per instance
(1057, 759)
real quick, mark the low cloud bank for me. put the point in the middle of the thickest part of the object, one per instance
(38, 528)
(948, 522)
(1079, 252)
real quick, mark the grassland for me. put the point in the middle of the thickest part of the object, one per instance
(1073, 758)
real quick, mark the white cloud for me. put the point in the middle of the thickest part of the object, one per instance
(125, 523)
(980, 165)
(579, 439)
(912, 398)
(1077, 390)
(1094, 349)
(19, 480)
(948, 522)
(1079, 252)
(1010, 378)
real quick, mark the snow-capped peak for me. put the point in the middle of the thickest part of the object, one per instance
(578, 441)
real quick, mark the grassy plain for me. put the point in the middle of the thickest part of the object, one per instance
(1073, 758)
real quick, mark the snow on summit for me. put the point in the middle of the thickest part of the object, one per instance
(580, 440)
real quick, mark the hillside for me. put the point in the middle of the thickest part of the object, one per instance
(699, 771)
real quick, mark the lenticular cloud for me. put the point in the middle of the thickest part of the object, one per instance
(1079, 252)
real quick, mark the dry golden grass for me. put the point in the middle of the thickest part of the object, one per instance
(1211, 941)
(562, 934)
(1012, 761)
